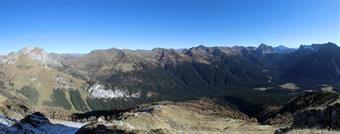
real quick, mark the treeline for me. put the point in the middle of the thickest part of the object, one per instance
(59, 99)
(77, 102)
(116, 103)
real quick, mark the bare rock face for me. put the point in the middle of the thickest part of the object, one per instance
(39, 55)
(328, 118)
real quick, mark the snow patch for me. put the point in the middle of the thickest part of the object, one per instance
(6, 121)
(269, 79)
(99, 91)
(135, 95)
(263, 88)
(61, 83)
(33, 79)
(289, 86)
(68, 123)
(327, 88)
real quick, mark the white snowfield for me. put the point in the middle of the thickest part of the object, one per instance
(4, 121)
(11, 126)
(99, 91)
(68, 123)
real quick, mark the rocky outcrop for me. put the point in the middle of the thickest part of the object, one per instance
(328, 118)
(35, 123)
(13, 107)
(289, 113)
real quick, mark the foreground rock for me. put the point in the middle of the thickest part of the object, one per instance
(16, 117)
(35, 123)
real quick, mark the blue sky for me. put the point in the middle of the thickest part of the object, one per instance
(78, 26)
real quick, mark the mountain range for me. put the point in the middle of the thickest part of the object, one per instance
(119, 78)
(264, 85)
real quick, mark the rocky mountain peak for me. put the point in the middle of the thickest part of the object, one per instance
(264, 49)
(38, 54)
(327, 46)
(200, 47)
(31, 50)
(317, 47)
(306, 47)
(283, 49)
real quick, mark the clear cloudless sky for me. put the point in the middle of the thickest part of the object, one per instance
(79, 26)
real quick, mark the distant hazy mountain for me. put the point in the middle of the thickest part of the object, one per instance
(118, 78)
(283, 49)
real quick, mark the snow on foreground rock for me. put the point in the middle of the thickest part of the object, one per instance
(37, 123)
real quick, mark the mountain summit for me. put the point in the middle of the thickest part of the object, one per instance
(283, 49)
(264, 49)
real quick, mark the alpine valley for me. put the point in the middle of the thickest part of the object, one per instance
(202, 89)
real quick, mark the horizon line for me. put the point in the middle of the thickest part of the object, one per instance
(135, 49)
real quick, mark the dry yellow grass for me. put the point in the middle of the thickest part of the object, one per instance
(177, 119)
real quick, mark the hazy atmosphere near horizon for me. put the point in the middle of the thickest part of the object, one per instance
(79, 26)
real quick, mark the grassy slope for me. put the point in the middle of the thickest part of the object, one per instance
(27, 72)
